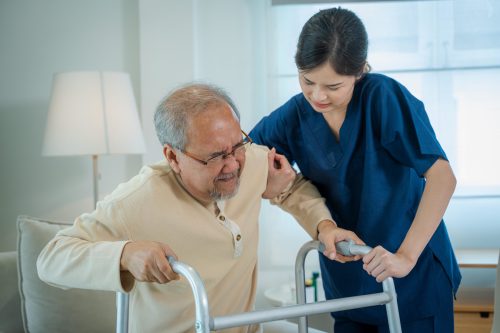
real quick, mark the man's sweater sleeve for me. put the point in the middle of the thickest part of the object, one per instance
(87, 254)
(304, 202)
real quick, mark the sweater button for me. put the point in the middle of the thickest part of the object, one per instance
(238, 237)
(222, 218)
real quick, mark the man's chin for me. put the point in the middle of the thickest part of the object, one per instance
(225, 193)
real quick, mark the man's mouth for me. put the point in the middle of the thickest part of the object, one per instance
(227, 177)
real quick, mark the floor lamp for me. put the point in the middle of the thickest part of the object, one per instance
(92, 113)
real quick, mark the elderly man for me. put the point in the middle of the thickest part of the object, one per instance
(200, 205)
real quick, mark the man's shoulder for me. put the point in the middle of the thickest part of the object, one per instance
(256, 154)
(259, 150)
(256, 161)
(145, 183)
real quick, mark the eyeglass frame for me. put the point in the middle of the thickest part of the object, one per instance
(223, 156)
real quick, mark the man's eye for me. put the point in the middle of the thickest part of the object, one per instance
(216, 158)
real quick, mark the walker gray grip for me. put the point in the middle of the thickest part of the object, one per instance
(344, 247)
(348, 248)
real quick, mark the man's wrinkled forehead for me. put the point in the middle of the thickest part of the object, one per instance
(216, 118)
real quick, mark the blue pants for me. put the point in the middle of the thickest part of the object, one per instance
(434, 324)
(441, 322)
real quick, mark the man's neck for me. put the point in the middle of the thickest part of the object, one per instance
(204, 202)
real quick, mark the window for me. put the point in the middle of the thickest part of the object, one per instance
(447, 53)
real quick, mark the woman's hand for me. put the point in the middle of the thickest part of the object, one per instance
(329, 234)
(382, 264)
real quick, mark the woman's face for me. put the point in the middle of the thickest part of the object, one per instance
(326, 90)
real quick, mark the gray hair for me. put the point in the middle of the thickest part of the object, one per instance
(172, 115)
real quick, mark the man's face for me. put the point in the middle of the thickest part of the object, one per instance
(212, 134)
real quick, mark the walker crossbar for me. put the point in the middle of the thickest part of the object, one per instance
(293, 311)
(204, 323)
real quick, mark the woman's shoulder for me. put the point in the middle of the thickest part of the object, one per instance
(295, 103)
(386, 82)
(378, 80)
(289, 112)
(375, 86)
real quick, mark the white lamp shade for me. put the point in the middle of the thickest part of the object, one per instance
(92, 113)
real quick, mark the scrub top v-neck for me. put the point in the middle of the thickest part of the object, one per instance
(372, 180)
(329, 146)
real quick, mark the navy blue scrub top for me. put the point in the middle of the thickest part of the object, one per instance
(372, 180)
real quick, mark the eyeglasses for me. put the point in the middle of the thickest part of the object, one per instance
(237, 151)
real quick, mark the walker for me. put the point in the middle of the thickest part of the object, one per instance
(204, 323)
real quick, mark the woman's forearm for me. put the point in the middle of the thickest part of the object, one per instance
(440, 185)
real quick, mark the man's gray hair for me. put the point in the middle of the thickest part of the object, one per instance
(172, 115)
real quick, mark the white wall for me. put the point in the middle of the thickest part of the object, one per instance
(166, 58)
(37, 39)
(222, 42)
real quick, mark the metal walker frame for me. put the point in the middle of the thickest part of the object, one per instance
(204, 323)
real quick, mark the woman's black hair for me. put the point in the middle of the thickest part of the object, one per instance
(335, 35)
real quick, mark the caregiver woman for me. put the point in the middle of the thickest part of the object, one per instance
(367, 144)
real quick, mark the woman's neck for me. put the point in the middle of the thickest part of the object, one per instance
(335, 119)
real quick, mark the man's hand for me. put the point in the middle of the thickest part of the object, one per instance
(280, 175)
(147, 261)
(329, 234)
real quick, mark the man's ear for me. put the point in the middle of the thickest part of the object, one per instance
(172, 158)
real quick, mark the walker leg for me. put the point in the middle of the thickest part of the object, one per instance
(300, 279)
(121, 312)
(392, 306)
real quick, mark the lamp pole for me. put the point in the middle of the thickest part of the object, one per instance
(96, 179)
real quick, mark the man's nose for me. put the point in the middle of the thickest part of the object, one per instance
(231, 163)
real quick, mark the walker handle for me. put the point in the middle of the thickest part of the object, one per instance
(348, 248)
